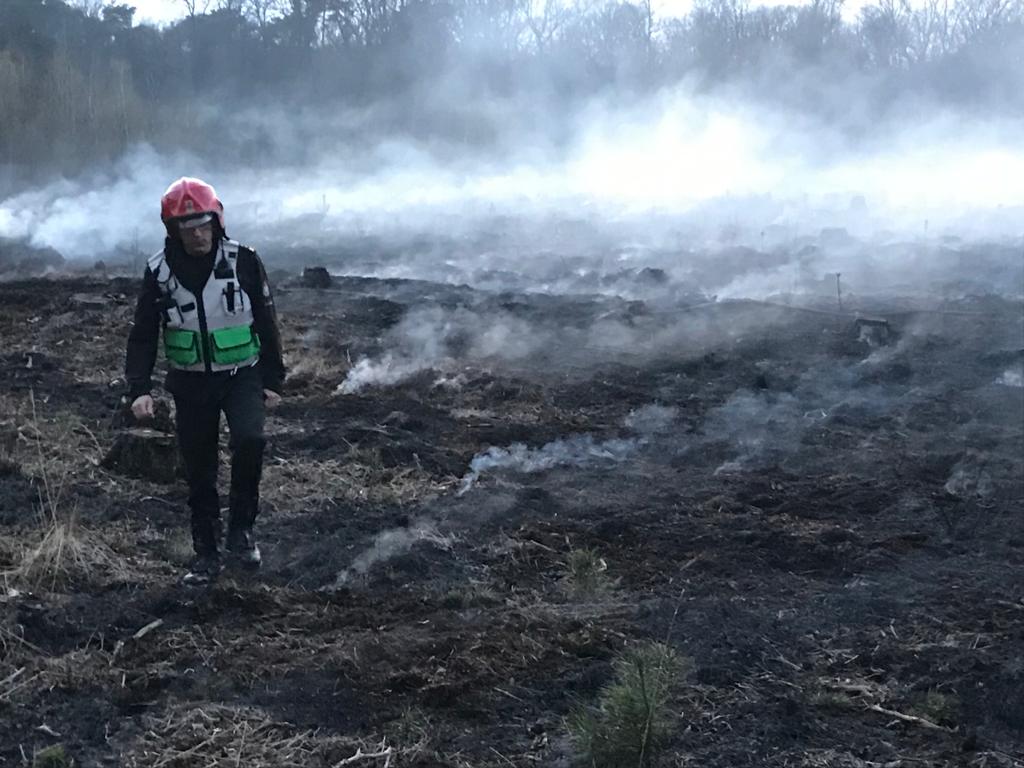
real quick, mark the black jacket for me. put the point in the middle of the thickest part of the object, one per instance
(192, 272)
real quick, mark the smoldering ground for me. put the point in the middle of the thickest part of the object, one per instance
(779, 418)
(680, 182)
(637, 341)
(756, 481)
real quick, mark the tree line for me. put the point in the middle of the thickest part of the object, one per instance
(80, 83)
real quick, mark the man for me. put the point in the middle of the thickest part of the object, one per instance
(211, 298)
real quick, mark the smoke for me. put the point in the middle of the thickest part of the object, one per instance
(759, 427)
(574, 451)
(111, 212)
(541, 334)
(1012, 377)
(384, 371)
(665, 182)
(970, 479)
(392, 543)
(432, 337)
(652, 419)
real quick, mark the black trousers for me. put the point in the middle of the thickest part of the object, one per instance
(199, 399)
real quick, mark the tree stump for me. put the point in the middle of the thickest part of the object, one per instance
(145, 454)
(89, 301)
(316, 277)
(162, 420)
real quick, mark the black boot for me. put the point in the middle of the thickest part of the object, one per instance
(242, 547)
(206, 565)
(204, 570)
(244, 503)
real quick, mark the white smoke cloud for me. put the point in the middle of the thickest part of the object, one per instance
(101, 214)
(677, 168)
(1012, 377)
(969, 479)
(577, 451)
(391, 543)
(652, 419)
(574, 451)
(384, 371)
(434, 338)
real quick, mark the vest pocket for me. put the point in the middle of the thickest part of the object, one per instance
(234, 345)
(181, 346)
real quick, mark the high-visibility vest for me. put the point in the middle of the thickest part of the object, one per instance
(213, 331)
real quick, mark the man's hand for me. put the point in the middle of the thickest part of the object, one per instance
(271, 399)
(142, 407)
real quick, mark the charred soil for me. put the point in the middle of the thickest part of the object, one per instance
(828, 529)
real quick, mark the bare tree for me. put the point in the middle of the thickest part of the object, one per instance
(196, 6)
(15, 82)
(932, 29)
(545, 19)
(263, 12)
(91, 8)
(975, 17)
(373, 18)
(497, 24)
(885, 31)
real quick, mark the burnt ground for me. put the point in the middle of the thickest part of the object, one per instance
(827, 528)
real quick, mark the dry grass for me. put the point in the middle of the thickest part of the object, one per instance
(68, 556)
(54, 448)
(217, 736)
(175, 546)
(586, 575)
(26, 669)
(316, 368)
(21, 664)
(300, 484)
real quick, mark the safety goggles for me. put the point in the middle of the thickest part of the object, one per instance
(195, 221)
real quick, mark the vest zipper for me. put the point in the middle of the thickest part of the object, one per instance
(204, 340)
(204, 334)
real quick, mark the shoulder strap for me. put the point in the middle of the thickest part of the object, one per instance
(156, 264)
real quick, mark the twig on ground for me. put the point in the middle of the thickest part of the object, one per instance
(119, 645)
(19, 686)
(31, 646)
(910, 719)
(384, 752)
(10, 679)
(510, 695)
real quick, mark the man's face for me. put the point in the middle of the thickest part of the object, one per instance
(198, 241)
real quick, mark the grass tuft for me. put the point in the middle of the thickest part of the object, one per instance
(586, 574)
(53, 757)
(68, 555)
(628, 725)
(940, 708)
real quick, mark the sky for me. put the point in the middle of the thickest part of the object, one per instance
(164, 11)
(158, 11)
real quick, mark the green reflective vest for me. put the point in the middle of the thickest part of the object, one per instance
(212, 331)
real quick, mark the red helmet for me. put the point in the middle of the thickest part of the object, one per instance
(189, 197)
